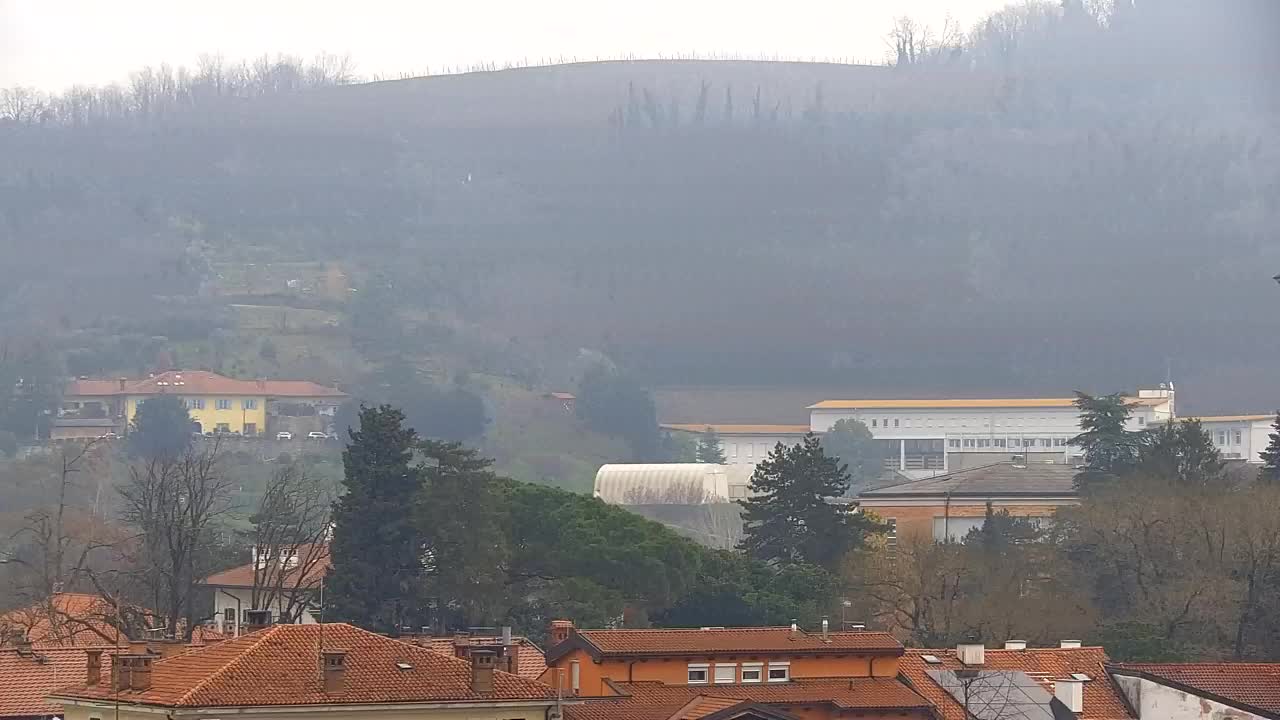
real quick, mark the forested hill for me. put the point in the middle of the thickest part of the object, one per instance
(1060, 203)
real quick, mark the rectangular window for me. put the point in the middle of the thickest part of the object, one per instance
(749, 446)
(224, 404)
(895, 422)
(953, 442)
(1238, 438)
(885, 422)
(1222, 437)
(873, 422)
(222, 428)
(1046, 442)
(779, 672)
(1142, 420)
(737, 492)
(999, 442)
(195, 403)
(984, 443)
(698, 674)
(726, 674)
(969, 443)
(733, 449)
(752, 672)
(249, 404)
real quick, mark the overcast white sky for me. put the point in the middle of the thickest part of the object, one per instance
(52, 44)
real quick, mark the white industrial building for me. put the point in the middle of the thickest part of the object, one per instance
(1239, 437)
(745, 444)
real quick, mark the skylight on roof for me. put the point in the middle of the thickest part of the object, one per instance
(932, 659)
(1081, 676)
(404, 666)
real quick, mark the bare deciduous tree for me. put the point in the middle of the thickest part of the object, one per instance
(175, 505)
(291, 529)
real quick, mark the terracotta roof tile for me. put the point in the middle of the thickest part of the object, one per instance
(1102, 701)
(75, 620)
(673, 642)
(1255, 686)
(279, 666)
(242, 576)
(202, 382)
(26, 680)
(657, 701)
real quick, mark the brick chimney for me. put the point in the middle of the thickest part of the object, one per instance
(482, 666)
(131, 672)
(334, 669)
(93, 667)
(461, 644)
(560, 631)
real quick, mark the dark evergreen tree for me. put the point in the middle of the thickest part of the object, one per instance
(708, 449)
(161, 428)
(618, 405)
(1270, 472)
(850, 442)
(377, 549)
(462, 514)
(790, 517)
(1182, 452)
(1110, 450)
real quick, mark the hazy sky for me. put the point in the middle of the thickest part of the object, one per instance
(56, 43)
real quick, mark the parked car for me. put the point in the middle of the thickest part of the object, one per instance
(317, 435)
(284, 435)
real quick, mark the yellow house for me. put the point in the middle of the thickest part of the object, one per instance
(216, 403)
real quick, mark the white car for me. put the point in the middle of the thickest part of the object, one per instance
(284, 435)
(317, 435)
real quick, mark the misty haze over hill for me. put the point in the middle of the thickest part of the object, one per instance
(1058, 202)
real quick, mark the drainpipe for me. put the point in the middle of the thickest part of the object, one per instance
(946, 516)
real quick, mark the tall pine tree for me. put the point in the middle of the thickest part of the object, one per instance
(376, 551)
(790, 519)
(1270, 472)
(1182, 452)
(708, 449)
(1110, 450)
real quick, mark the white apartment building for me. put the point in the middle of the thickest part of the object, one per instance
(931, 436)
(1239, 437)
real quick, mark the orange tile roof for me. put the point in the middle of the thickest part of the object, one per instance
(279, 666)
(964, 404)
(723, 429)
(1102, 701)
(658, 701)
(300, 577)
(25, 681)
(1253, 687)
(201, 382)
(763, 640)
(71, 620)
(530, 662)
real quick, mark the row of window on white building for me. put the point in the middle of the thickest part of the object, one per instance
(728, 673)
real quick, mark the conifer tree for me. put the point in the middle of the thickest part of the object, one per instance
(376, 549)
(1270, 472)
(708, 449)
(1110, 450)
(790, 519)
(1182, 452)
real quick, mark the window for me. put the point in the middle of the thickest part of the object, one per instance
(998, 442)
(751, 672)
(885, 422)
(969, 442)
(228, 620)
(1142, 420)
(891, 533)
(895, 422)
(953, 442)
(1059, 442)
(1238, 438)
(224, 404)
(1222, 437)
(195, 403)
(698, 674)
(733, 449)
(249, 404)
(737, 492)
(726, 674)
(1046, 442)
(984, 443)
(779, 672)
(873, 422)
(222, 428)
(749, 446)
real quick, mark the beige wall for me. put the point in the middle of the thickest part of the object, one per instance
(915, 522)
(107, 712)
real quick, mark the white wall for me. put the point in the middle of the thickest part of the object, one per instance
(226, 599)
(1253, 438)
(751, 449)
(1158, 702)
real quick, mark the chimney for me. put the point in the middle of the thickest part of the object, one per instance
(141, 679)
(971, 653)
(1069, 644)
(482, 662)
(334, 670)
(93, 667)
(24, 647)
(122, 382)
(1015, 644)
(131, 672)
(1070, 692)
(257, 620)
(120, 673)
(795, 629)
(461, 644)
(826, 627)
(560, 631)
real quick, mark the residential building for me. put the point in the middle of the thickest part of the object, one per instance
(330, 669)
(691, 674)
(1239, 437)
(931, 436)
(744, 444)
(217, 403)
(671, 483)
(516, 655)
(971, 682)
(28, 675)
(285, 585)
(1200, 691)
(947, 507)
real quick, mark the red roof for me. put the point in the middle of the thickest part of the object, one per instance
(75, 620)
(279, 666)
(762, 640)
(658, 701)
(299, 577)
(1254, 687)
(530, 662)
(1102, 700)
(202, 382)
(26, 680)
